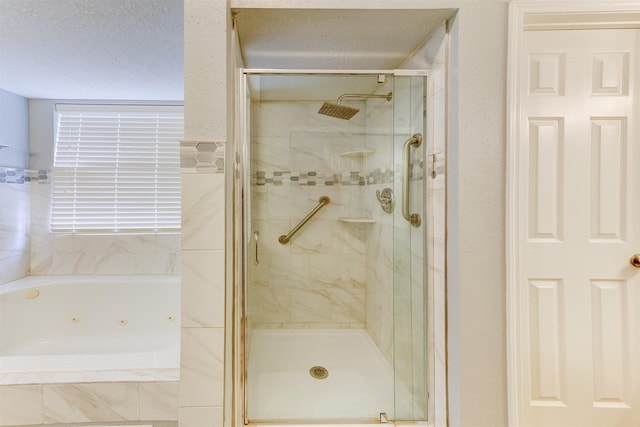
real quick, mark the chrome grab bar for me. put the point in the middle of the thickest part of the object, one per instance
(284, 239)
(256, 237)
(415, 141)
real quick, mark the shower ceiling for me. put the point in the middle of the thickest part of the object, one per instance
(339, 39)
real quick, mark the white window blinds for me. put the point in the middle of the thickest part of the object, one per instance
(117, 169)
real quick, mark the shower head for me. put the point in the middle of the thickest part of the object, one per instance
(337, 110)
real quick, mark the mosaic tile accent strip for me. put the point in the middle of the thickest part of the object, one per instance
(10, 175)
(329, 178)
(308, 178)
(201, 157)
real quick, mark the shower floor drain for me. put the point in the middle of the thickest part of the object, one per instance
(319, 372)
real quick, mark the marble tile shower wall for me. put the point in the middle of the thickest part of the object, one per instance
(336, 274)
(318, 279)
(436, 234)
(61, 254)
(411, 299)
(396, 292)
(201, 394)
(14, 223)
(332, 274)
(379, 249)
(395, 254)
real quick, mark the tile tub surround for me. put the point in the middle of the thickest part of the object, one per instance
(47, 404)
(26, 212)
(14, 223)
(113, 254)
(14, 220)
(11, 175)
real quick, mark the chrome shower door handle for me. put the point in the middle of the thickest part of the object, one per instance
(256, 238)
(414, 141)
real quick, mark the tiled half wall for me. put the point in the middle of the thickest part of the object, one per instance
(66, 404)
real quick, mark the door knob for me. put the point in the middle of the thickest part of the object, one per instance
(635, 260)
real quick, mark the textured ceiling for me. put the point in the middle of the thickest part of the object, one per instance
(332, 39)
(133, 49)
(335, 38)
(92, 49)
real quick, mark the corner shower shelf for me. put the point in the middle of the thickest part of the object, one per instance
(357, 153)
(357, 220)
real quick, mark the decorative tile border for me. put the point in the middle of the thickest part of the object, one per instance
(201, 157)
(9, 175)
(330, 178)
(210, 159)
(308, 325)
(308, 178)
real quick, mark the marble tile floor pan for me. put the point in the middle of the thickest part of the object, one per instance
(359, 385)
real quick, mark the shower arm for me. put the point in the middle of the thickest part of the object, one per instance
(388, 96)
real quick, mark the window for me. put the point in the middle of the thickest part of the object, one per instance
(117, 169)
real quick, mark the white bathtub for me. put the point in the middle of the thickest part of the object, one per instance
(69, 329)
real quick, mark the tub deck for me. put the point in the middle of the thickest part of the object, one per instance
(74, 329)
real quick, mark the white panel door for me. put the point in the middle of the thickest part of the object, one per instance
(579, 224)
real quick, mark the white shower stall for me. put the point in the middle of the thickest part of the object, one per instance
(334, 290)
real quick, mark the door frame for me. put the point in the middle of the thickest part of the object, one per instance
(237, 310)
(550, 15)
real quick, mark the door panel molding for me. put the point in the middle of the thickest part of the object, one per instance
(554, 15)
(583, 21)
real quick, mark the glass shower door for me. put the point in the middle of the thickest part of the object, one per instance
(410, 224)
(331, 328)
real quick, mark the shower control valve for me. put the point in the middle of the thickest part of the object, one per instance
(386, 199)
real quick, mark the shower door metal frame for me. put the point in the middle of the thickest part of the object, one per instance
(240, 189)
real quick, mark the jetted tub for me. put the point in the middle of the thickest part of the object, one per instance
(69, 329)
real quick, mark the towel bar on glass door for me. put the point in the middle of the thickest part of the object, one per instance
(284, 239)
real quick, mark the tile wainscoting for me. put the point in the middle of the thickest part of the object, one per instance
(203, 283)
(44, 404)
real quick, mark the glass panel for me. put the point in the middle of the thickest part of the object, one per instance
(322, 309)
(307, 309)
(251, 256)
(409, 279)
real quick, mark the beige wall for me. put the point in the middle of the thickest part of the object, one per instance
(476, 220)
(476, 258)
